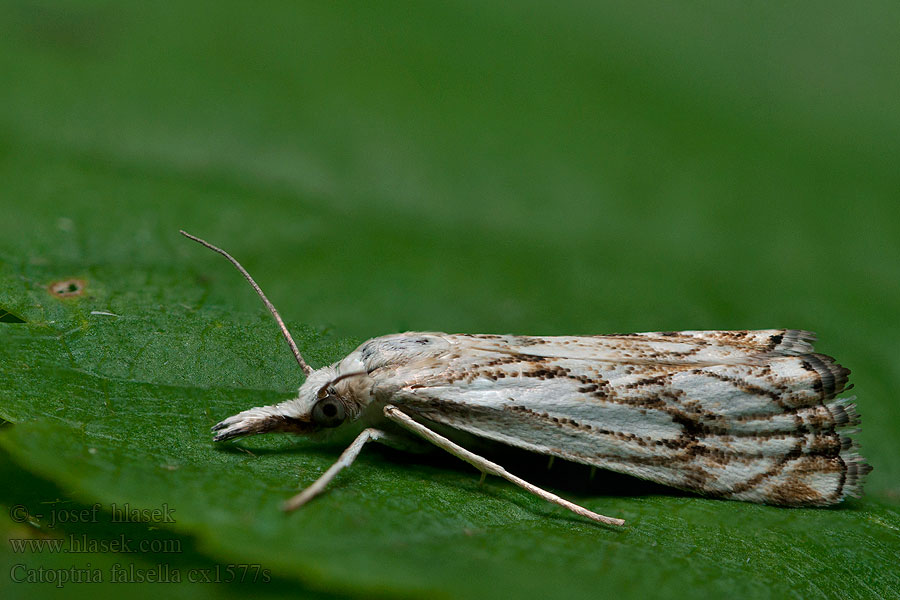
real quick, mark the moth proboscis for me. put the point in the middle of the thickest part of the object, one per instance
(745, 415)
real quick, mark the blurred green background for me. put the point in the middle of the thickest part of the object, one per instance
(533, 168)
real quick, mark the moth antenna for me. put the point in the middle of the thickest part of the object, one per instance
(284, 330)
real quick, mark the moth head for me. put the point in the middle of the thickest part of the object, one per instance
(325, 400)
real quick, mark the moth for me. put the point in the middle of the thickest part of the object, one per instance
(745, 415)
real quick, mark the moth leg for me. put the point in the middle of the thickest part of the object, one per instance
(345, 460)
(486, 466)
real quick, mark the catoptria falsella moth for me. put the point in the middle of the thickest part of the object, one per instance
(745, 415)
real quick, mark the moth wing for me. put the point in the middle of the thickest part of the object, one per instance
(657, 347)
(760, 423)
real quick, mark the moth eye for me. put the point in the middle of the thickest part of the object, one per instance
(328, 412)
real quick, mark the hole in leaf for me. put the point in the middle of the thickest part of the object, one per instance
(67, 287)
(8, 317)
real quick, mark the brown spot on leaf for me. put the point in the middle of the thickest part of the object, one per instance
(67, 288)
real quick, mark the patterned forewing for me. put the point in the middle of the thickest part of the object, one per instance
(749, 415)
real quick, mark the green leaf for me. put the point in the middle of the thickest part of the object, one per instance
(128, 423)
(57, 545)
(535, 169)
